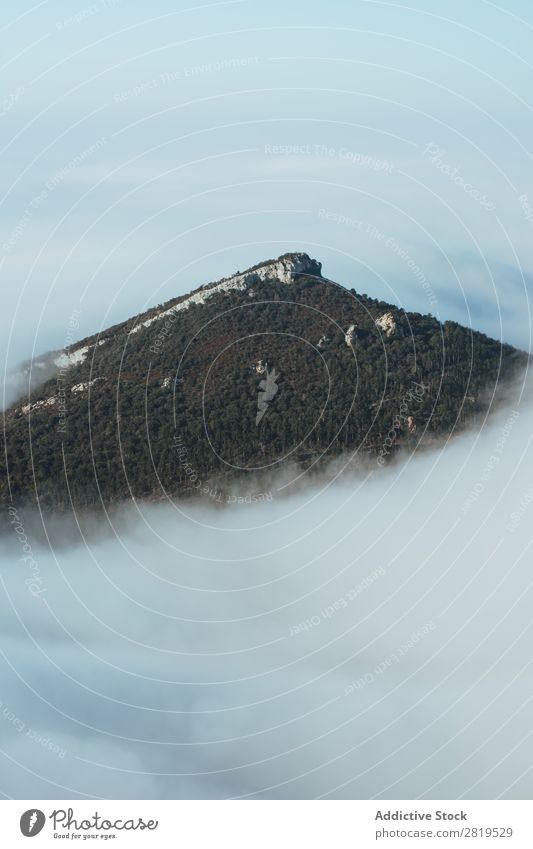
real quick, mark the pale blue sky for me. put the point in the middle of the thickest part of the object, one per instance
(168, 114)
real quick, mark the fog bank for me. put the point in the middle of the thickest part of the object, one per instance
(369, 637)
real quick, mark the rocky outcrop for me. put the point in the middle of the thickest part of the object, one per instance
(285, 270)
(387, 323)
(39, 405)
(351, 335)
(323, 341)
(83, 387)
(75, 356)
(51, 402)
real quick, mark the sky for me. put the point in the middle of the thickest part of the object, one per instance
(147, 149)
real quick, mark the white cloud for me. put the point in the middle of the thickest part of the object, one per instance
(162, 659)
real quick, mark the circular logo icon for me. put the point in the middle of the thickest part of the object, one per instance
(32, 822)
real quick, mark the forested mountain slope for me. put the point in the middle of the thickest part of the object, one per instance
(271, 366)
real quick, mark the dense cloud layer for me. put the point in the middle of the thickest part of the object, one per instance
(366, 637)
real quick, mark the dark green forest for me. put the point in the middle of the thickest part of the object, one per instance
(177, 402)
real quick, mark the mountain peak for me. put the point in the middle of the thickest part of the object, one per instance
(217, 386)
(284, 269)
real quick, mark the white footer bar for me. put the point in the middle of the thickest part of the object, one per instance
(268, 824)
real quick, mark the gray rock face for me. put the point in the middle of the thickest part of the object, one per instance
(387, 323)
(284, 269)
(351, 335)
